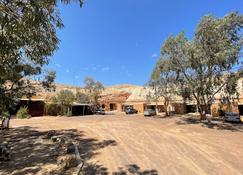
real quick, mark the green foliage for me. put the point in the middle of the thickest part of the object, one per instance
(94, 89)
(68, 113)
(162, 82)
(23, 113)
(4, 115)
(64, 98)
(28, 39)
(82, 98)
(47, 83)
(203, 65)
(52, 109)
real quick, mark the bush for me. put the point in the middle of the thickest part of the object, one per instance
(66, 111)
(69, 113)
(23, 112)
(3, 117)
(53, 109)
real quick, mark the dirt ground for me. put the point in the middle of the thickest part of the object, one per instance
(119, 144)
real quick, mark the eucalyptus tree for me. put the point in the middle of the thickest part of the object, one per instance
(65, 99)
(162, 82)
(94, 89)
(28, 40)
(82, 97)
(205, 63)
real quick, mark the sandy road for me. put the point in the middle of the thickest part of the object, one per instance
(154, 144)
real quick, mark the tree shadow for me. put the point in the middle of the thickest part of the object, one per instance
(31, 150)
(96, 169)
(215, 123)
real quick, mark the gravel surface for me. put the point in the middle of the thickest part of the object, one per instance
(133, 144)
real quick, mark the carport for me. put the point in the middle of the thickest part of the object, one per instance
(79, 109)
(35, 106)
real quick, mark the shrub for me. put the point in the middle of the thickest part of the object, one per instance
(23, 112)
(53, 109)
(4, 115)
(69, 113)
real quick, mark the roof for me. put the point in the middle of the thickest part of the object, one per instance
(81, 104)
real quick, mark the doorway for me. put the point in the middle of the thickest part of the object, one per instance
(113, 107)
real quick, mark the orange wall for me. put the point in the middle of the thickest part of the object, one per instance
(225, 107)
(139, 107)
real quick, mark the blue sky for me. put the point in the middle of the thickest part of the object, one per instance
(118, 41)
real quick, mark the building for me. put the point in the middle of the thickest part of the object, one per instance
(114, 102)
(119, 97)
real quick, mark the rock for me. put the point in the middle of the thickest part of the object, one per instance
(67, 161)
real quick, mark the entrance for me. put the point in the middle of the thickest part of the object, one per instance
(113, 107)
(191, 108)
(240, 107)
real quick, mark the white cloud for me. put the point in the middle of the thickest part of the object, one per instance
(67, 71)
(76, 77)
(58, 65)
(105, 69)
(154, 55)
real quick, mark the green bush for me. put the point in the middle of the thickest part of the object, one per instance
(69, 113)
(23, 112)
(4, 115)
(66, 111)
(53, 109)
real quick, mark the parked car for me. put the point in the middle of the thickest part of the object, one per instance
(149, 112)
(232, 117)
(100, 111)
(131, 111)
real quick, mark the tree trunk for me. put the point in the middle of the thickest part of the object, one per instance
(156, 100)
(201, 109)
(202, 112)
(156, 107)
(166, 108)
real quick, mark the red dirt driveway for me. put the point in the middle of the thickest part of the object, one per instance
(171, 146)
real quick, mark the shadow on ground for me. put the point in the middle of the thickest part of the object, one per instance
(215, 123)
(30, 151)
(96, 169)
